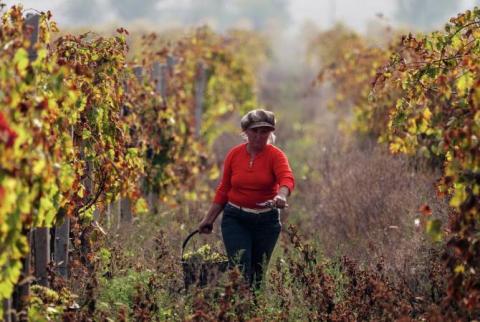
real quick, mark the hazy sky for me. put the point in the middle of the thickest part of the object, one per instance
(353, 12)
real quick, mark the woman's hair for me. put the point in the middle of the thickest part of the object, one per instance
(258, 118)
(271, 138)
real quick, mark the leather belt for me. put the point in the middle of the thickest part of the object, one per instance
(255, 211)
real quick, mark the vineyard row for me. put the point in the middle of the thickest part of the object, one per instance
(421, 96)
(85, 133)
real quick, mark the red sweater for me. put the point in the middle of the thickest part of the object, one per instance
(246, 184)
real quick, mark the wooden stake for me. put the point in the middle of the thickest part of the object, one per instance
(200, 86)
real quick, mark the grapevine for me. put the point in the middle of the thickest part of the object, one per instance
(421, 97)
(79, 130)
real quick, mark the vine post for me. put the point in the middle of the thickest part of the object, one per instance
(7, 308)
(62, 239)
(61, 242)
(42, 254)
(61, 245)
(159, 76)
(41, 235)
(200, 85)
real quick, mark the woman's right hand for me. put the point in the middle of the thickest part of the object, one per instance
(205, 227)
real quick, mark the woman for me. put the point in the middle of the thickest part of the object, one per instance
(256, 182)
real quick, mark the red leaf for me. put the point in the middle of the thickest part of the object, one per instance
(7, 135)
(425, 210)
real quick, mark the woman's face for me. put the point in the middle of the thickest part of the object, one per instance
(258, 136)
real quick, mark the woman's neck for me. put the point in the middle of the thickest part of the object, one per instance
(254, 151)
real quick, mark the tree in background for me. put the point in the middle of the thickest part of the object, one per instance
(89, 12)
(226, 13)
(425, 14)
(223, 13)
(132, 9)
(84, 12)
(218, 11)
(261, 12)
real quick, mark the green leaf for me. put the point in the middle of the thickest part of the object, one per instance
(434, 229)
(457, 42)
(21, 61)
(86, 134)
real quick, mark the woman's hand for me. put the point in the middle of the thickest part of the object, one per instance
(205, 227)
(279, 201)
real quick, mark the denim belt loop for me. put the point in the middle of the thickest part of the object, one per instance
(255, 211)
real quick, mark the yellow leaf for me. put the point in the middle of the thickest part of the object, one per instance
(427, 114)
(10, 199)
(141, 206)
(14, 98)
(433, 228)
(457, 42)
(214, 173)
(464, 83)
(412, 126)
(423, 127)
(459, 195)
(476, 118)
(449, 156)
(21, 61)
(81, 191)
(395, 147)
(191, 196)
(66, 177)
(38, 166)
(476, 189)
(46, 212)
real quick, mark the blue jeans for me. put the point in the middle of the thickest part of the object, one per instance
(249, 240)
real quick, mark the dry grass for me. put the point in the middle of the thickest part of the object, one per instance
(362, 202)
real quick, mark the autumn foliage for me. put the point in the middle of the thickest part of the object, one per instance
(81, 128)
(420, 96)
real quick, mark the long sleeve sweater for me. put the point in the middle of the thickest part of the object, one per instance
(247, 181)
